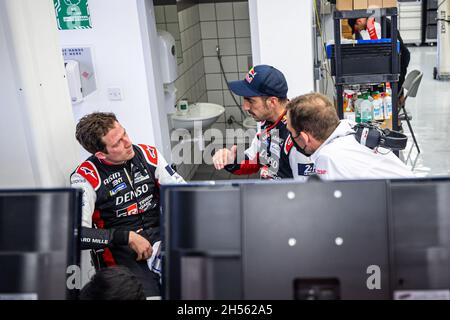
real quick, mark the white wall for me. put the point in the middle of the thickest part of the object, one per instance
(281, 34)
(121, 41)
(37, 127)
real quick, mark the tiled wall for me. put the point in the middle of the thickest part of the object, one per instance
(225, 24)
(190, 84)
(201, 28)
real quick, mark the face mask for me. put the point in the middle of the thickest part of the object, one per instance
(300, 149)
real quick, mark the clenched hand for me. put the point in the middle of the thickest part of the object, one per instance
(223, 157)
(140, 245)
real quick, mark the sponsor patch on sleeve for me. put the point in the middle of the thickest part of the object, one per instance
(150, 153)
(90, 173)
(170, 170)
(305, 169)
(288, 144)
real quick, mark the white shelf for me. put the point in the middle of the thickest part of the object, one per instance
(410, 21)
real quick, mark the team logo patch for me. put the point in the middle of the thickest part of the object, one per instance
(150, 153)
(88, 171)
(250, 75)
(275, 150)
(146, 204)
(112, 178)
(305, 169)
(170, 170)
(264, 173)
(138, 177)
(118, 188)
(288, 144)
(128, 211)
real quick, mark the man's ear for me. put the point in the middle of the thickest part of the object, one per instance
(305, 137)
(100, 155)
(272, 101)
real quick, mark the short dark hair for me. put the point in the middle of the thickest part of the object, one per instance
(113, 283)
(313, 113)
(92, 128)
(281, 101)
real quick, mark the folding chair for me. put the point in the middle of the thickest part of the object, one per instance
(409, 89)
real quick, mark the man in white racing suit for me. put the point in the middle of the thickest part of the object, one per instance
(336, 154)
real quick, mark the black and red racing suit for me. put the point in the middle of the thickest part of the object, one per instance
(272, 152)
(118, 199)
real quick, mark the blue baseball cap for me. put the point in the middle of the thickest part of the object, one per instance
(261, 80)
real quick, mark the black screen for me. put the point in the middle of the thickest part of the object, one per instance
(279, 240)
(38, 242)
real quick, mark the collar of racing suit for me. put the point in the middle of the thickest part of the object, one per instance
(270, 126)
(137, 161)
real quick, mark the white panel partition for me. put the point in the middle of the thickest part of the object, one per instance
(37, 127)
(282, 36)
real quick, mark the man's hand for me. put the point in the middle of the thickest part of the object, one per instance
(223, 157)
(140, 245)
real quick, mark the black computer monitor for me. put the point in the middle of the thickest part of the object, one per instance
(373, 239)
(39, 243)
(275, 240)
(203, 238)
(420, 226)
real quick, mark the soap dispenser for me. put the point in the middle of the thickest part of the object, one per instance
(182, 107)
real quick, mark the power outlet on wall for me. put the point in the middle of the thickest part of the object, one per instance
(114, 94)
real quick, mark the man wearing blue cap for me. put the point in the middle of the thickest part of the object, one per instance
(265, 97)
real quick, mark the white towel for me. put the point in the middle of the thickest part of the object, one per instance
(154, 262)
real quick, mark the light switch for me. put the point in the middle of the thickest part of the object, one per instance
(114, 94)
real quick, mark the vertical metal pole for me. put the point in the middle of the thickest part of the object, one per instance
(338, 65)
(395, 70)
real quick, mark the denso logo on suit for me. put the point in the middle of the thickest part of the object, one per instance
(131, 195)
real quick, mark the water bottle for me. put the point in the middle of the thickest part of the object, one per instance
(387, 101)
(377, 106)
(366, 109)
(358, 107)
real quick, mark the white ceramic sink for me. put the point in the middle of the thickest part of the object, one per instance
(200, 112)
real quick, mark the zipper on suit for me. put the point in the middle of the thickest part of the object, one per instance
(135, 194)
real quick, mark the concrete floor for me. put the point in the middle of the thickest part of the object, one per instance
(430, 111)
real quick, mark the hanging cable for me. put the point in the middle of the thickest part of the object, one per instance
(226, 81)
(324, 53)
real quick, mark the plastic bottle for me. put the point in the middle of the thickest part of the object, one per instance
(377, 106)
(349, 111)
(358, 107)
(366, 109)
(182, 107)
(387, 102)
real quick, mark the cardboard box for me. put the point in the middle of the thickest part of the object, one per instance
(342, 5)
(375, 3)
(346, 29)
(359, 4)
(389, 3)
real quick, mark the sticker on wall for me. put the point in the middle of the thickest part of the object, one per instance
(72, 14)
(83, 57)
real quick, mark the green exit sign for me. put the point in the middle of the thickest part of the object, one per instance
(72, 14)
